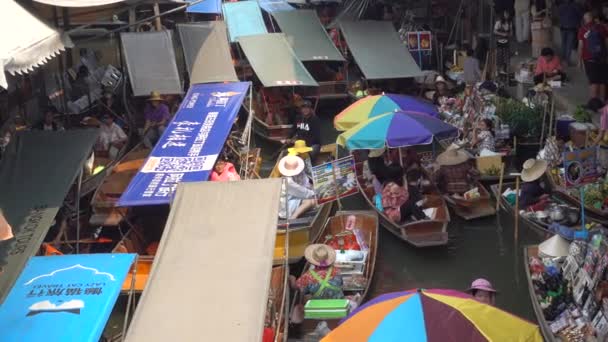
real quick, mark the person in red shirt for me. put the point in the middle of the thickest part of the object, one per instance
(590, 58)
(548, 67)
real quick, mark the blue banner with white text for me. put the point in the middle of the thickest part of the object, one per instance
(190, 144)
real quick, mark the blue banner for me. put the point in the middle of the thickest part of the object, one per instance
(190, 144)
(275, 5)
(207, 6)
(64, 298)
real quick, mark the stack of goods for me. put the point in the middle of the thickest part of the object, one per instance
(572, 289)
(351, 257)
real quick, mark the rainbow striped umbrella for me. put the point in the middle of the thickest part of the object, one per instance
(433, 316)
(397, 129)
(372, 106)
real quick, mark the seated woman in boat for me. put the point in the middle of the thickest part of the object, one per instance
(111, 138)
(276, 104)
(552, 152)
(300, 196)
(157, 116)
(532, 194)
(483, 136)
(398, 201)
(301, 150)
(411, 159)
(224, 171)
(323, 280)
(483, 291)
(456, 174)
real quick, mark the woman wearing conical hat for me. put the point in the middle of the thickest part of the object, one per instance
(532, 194)
(456, 174)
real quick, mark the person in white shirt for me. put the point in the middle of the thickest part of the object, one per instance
(522, 20)
(111, 137)
(299, 197)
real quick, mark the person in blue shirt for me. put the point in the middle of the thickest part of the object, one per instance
(570, 16)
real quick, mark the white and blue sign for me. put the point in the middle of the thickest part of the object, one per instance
(64, 298)
(190, 144)
(207, 6)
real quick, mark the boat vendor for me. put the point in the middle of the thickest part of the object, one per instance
(323, 280)
(224, 170)
(300, 196)
(307, 127)
(301, 150)
(441, 90)
(483, 291)
(456, 174)
(398, 201)
(157, 116)
(48, 123)
(483, 136)
(532, 194)
(111, 138)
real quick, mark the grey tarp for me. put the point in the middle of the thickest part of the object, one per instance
(274, 61)
(36, 172)
(207, 52)
(308, 37)
(211, 275)
(378, 51)
(151, 62)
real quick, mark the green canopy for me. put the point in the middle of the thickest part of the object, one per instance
(309, 39)
(36, 172)
(274, 61)
(378, 51)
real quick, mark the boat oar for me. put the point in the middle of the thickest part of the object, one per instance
(502, 174)
(516, 207)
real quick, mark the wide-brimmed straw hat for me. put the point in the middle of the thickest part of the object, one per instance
(555, 246)
(533, 169)
(440, 79)
(155, 96)
(377, 152)
(290, 166)
(320, 255)
(481, 284)
(299, 146)
(452, 157)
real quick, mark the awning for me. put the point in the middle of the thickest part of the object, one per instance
(190, 145)
(378, 51)
(244, 18)
(207, 52)
(151, 62)
(207, 6)
(272, 6)
(274, 61)
(309, 39)
(64, 298)
(78, 3)
(36, 173)
(211, 274)
(351, 10)
(27, 42)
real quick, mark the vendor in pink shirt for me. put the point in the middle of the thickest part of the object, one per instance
(548, 67)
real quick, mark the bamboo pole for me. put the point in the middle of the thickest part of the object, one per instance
(502, 174)
(516, 208)
(157, 24)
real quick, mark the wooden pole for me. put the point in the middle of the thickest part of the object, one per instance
(157, 22)
(502, 174)
(516, 207)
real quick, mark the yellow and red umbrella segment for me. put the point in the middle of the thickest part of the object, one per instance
(372, 106)
(433, 316)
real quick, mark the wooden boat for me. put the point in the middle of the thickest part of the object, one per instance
(474, 208)
(105, 198)
(423, 233)
(278, 303)
(305, 229)
(573, 199)
(367, 222)
(532, 251)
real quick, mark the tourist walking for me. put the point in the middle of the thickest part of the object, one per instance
(503, 30)
(570, 16)
(522, 20)
(592, 55)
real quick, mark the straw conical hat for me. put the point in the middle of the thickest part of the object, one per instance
(555, 246)
(452, 157)
(533, 169)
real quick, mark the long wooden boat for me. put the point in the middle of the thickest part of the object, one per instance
(367, 223)
(305, 229)
(105, 198)
(572, 199)
(474, 208)
(277, 317)
(532, 251)
(423, 233)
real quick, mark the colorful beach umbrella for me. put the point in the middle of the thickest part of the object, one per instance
(372, 106)
(431, 316)
(397, 129)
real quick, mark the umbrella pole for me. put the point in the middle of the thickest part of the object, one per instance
(516, 207)
(500, 180)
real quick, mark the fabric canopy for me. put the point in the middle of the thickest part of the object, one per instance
(151, 62)
(271, 6)
(78, 3)
(207, 52)
(378, 51)
(216, 254)
(207, 6)
(36, 173)
(281, 68)
(309, 39)
(64, 298)
(244, 18)
(27, 42)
